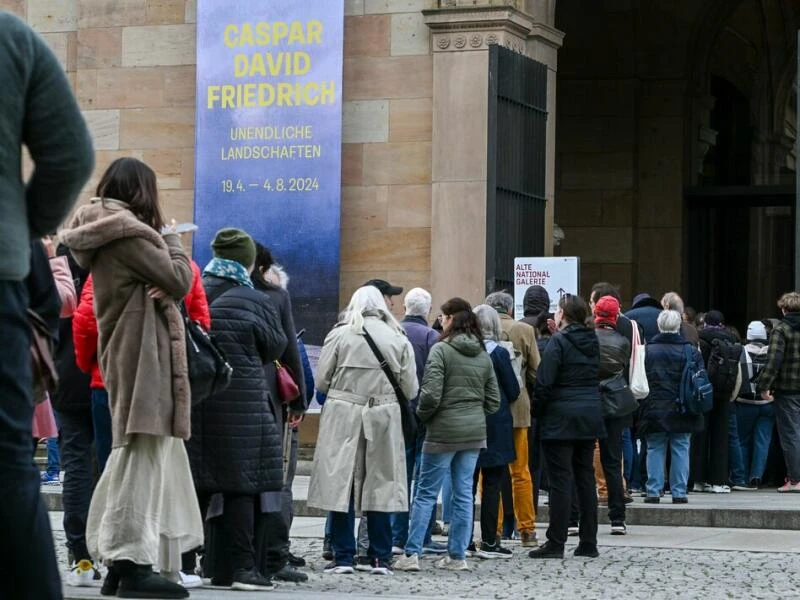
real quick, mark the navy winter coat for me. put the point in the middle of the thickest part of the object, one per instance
(646, 315)
(566, 395)
(664, 362)
(236, 443)
(500, 425)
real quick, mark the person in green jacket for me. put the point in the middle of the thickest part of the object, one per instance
(459, 389)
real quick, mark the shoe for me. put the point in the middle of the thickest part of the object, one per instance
(586, 551)
(335, 569)
(701, 488)
(381, 567)
(680, 500)
(743, 487)
(755, 482)
(618, 528)
(190, 580)
(251, 581)
(397, 551)
(529, 539)
(628, 498)
(407, 563)
(720, 489)
(290, 574)
(652, 499)
(327, 548)
(445, 529)
(547, 550)
(437, 529)
(111, 582)
(81, 574)
(139, 581)
(602, 500)
(50, 478)
(296, 561)
(363, 564)
(634, 491)
(573, 530)
(493, 551)
(471, 550)
(790, 487)
(434, 548)
(452, 564)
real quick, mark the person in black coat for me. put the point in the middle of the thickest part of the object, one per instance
(493, 460)
(236, 444)
(567, 402)
(661, 422)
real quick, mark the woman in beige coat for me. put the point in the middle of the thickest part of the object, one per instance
(359, 463)
(144, 510)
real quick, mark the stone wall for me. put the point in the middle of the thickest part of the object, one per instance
(132, 66)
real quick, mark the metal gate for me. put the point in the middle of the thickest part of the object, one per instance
(515, 210)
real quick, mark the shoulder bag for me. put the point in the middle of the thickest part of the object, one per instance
(637, 375)
(43, 368)
(209, 370)
(616, 397)
(288, 389)
(409, 419)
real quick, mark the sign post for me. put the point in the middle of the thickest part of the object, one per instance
(269, 139)
(557, 274)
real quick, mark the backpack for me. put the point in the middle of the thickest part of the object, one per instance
(696, 391)
(723, 366)
(516, 361)
(752, 365)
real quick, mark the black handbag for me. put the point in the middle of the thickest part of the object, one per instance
(409, 419)
(616, 397)
(209, 370)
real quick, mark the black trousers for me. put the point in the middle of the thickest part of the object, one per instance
(271, 542)
(611, 459)
(709, 450)
(75, 441)
(28, 568)
(535, 461)
(490, 500)
(568, 459)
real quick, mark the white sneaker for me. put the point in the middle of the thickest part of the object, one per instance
(81, 574)
(407, 563)
(397, 551)
(572, 531)
(452, 564)
(190, 581)
(720, 489)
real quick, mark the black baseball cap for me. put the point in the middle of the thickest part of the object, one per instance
(386, 288)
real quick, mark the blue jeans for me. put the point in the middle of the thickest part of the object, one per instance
(434, 468)
(628, 449)
(53, 455)
(28, 556)
(656, 463)
(755, 423)
(400, 520)
(447, 499)
(736, 462)
(101, 417)
(343, 538)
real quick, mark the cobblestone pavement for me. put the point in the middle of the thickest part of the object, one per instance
(619, 572)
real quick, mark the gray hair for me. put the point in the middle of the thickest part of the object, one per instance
(417, 302)
(669, 321)
(672, 301)
(501, 302)
(489, 321)
(277, 274)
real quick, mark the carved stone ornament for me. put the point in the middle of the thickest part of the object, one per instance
(444, 42)
(460, 41)
(491, 39)
(476, 40)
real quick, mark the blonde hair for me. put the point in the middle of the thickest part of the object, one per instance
(368, 299)
(790, 302)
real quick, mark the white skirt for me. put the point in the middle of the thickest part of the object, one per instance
(144, 508)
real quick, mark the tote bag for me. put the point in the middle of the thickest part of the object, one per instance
(638, 378)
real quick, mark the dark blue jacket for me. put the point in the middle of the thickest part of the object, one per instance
(307, 374)
(646, 314)
(664, 362)
(566, 396)
(422, 339)
(500, 425)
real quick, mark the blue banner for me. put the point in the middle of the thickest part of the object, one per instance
(269, 139)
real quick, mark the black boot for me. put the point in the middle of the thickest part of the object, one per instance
(547, 550)
(111, 582)
(327, 549)
(586, 550)
(296, 561)
(139, 581)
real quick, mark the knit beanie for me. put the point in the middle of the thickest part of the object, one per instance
(234, 244)
(606, 310)
(714, 318)
(756, 331)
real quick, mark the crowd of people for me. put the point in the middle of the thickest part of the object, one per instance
(163, 488)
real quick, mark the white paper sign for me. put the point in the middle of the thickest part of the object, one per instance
(557, 274)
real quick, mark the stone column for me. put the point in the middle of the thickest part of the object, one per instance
(462, 35)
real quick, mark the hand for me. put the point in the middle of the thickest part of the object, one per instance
(294, 419)
(551, 325)
(156, 293)
(767, 396)
(49, 247)
(171, 228)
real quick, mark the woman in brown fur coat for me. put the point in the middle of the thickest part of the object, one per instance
(144, 510)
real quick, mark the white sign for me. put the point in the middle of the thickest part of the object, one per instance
(557, 274)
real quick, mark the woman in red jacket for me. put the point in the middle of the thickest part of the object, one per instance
(84, 331)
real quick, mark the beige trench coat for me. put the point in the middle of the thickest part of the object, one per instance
(360, 447)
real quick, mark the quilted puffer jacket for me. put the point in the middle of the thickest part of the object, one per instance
(236, 440)
(459, 389)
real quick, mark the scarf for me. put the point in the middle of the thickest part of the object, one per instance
(228, 269)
